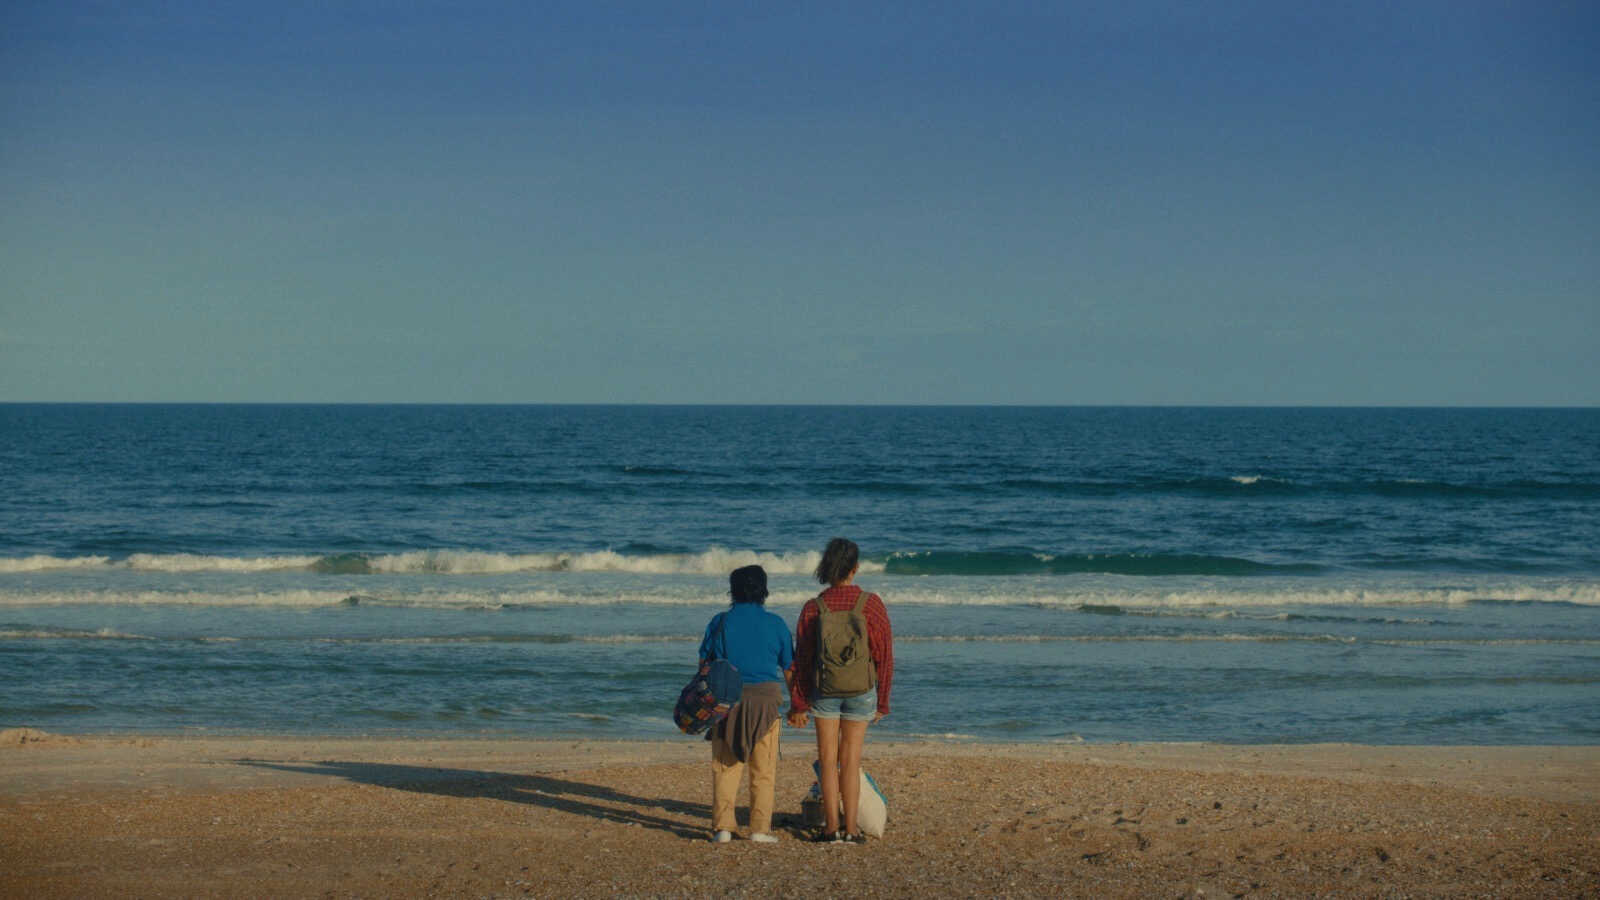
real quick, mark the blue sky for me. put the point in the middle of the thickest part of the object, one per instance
(1073, 203)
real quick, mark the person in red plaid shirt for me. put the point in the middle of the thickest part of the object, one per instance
(841, 721)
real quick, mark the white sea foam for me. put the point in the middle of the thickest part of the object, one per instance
(1491, 642)
(193, 562)
(1582, 593)
(157, 562)
(171, 598)
(42, 563)
(107, 634)
(312, 599)
(1122, 638)
(713, 561)
(1221, 603)
(24, 633)
(1258, 478)
(633, 638)
(987, 638)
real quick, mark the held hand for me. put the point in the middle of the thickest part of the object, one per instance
(798, 719)
(877, 717)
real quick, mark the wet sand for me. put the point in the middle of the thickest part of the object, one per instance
(340, 817)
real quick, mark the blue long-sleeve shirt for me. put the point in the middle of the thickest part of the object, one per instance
(758, 642)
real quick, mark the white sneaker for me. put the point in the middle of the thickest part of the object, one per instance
(722, 837)
(764, 838)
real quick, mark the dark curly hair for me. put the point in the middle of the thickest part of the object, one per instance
(748, 585)
(838, 561)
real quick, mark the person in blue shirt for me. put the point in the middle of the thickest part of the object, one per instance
(759, 644)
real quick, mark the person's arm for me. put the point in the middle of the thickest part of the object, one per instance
(880, 641)
(785, 642)
(795, 717)
(805, 652)
(705, 642)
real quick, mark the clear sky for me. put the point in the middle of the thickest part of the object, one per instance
(881, 202)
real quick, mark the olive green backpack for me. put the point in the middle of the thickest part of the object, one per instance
(844, 662)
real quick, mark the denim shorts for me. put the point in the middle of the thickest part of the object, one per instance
(859, 708)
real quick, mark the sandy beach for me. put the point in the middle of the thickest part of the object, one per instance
(498, 818)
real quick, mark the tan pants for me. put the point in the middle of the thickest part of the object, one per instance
(727, 772)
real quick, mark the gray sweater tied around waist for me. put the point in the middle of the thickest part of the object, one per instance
(747, 722)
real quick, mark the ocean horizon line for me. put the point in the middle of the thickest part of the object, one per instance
(579, 404)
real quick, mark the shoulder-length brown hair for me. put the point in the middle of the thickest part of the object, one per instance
(838, 561)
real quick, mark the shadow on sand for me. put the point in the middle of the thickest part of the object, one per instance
(574, 797)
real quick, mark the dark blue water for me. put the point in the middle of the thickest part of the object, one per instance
(1391, 575)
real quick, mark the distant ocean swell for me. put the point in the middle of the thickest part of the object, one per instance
(1256, 485)
(669, 481)
(602, 483)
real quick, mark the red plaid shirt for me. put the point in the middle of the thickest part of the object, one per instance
(880, 643)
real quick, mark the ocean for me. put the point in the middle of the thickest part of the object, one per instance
(1385, 576)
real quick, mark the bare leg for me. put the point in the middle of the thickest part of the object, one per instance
(828, 770)
(852, 738)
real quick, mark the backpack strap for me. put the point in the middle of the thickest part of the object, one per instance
(722, 632)
(861, 608)
(822, 613)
